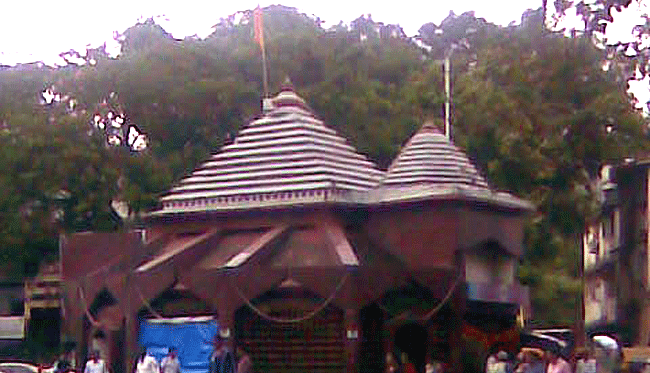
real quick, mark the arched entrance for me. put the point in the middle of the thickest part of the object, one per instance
(371, 354)
(275, 345)
(413, 329)
(411, 339)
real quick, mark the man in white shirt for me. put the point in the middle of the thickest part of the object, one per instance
(146, 364)
(170, 363)
(95, 364)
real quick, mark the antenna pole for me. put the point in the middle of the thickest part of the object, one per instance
(265, 75)
(447, 67)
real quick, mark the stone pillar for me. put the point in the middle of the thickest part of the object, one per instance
(389, 342)
(352, 338)
(72, 319)
(130, 341)
(458, 307)
(131, 327)
(226, 320)
(117, 351)
(644, 324)
(74, 328)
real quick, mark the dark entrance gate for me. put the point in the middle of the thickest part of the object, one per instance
(315, 345)
(411, 339)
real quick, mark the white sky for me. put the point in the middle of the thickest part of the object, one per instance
(38, 30)
(41, 29)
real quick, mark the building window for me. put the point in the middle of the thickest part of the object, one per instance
(592, 242)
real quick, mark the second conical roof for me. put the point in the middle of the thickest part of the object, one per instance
(430, 159)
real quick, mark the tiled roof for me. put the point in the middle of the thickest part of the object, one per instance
(287, 156)
(431, 167)
(429, 158)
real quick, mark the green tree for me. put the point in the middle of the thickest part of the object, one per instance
(533, 108)
(541, 127)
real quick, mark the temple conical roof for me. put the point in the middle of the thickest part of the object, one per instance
(430, 158)
(288, 156)
(431, 168)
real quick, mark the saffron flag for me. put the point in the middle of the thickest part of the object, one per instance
(259, 27)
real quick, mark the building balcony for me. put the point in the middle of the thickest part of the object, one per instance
(609, 196)
(44, 290)
(601, 264)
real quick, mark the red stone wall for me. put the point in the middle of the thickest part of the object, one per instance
(428, 236)
(84, 253)
(476, 227)
(420, 236)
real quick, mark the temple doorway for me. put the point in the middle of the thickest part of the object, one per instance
(314, 344)
(372, 356)
(411, 339)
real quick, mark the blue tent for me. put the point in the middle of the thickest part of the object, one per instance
(191, 336)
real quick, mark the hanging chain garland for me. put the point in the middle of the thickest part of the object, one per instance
(444, 300)
(432, 312)
(146, 304)
(87, 312)
(305, 317)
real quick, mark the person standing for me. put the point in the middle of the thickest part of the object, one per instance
(537, 362)
(244, 362)
(522, 363)
(222, 359)
(171, 363)
(146, 363)
(95, 364)
(408, 366)
(503, 364)
(585, 363)
(491, 364)
(556, 364)
(391, 363)
(434, 366)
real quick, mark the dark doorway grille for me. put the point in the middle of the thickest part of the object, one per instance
(316, 345)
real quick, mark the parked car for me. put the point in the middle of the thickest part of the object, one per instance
(546, 339)
(608, 353)
(23, 367)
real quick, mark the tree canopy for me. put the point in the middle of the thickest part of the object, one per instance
(89, 145)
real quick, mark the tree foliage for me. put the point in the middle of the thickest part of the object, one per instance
(630, 53)
(526, 96)
(534, 109)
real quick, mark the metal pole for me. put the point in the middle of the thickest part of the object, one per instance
(448, 94)
(264, 72)
(580, 335)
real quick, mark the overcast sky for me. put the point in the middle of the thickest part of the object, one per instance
(40, 29)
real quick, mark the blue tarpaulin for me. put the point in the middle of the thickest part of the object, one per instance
(191, 336)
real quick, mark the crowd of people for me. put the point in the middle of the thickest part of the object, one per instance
(533, 360)
(222, 360)
(226, 360)
(528, 360)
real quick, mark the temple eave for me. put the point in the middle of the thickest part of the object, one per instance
(379, 197)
